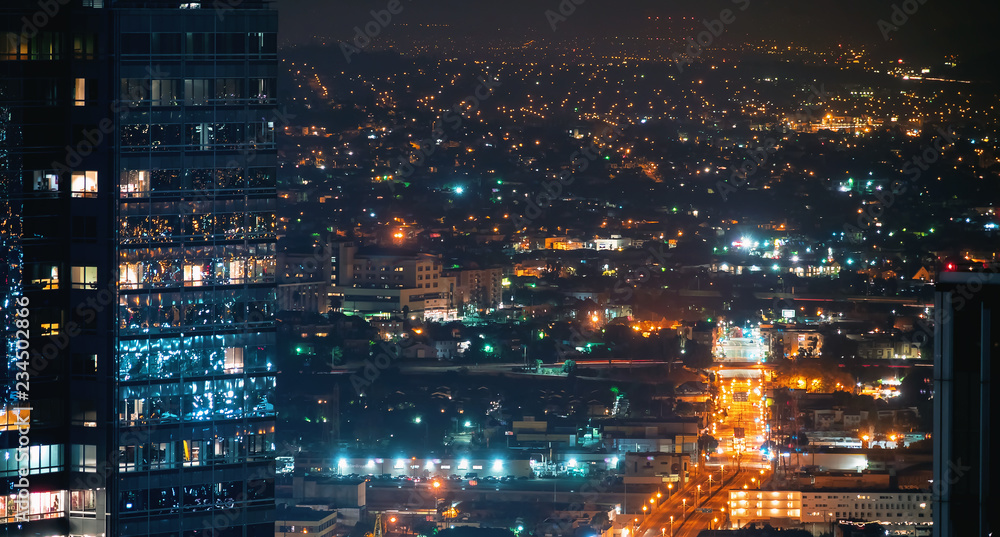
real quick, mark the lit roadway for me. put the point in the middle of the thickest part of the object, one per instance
(686, 506)
(702, 504)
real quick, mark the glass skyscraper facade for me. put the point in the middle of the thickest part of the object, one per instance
(137, 159)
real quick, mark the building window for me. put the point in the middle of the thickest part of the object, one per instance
(193, 275)
(83, 46)
(80, 92)
(84, 365)
(234, 360)
(164, 92)
(83, 503)
(84, 184)
(46, 182)
(198, 91)
(134, 182)
(83, 412)
(83, 458)
(45, 275)
(83, 277)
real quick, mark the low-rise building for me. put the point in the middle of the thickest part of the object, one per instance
(657, 467)
(296, 521)
(900, 512)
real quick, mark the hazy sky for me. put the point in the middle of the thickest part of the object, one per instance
(936, 25)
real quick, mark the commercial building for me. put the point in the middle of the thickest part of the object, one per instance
(299, 520)
(137, 164)
(900, 512)
(382, 282)
(477, 290)
(965, 437)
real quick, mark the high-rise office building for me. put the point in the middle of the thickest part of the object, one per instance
(137, 169)
(965, 487)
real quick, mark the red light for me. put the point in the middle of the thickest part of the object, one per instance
(951, 266)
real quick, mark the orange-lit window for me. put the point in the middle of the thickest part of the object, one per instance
(193, 275)
(46, 276)
(84, 184)
(80, 92)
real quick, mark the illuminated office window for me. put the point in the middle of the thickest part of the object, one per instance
(234, 360)
(134, 182)
(46, 182)
(80, 92)
(45, 275)
(83, 277)
(83, 503)
(193, 275)
(84, 184)
(129, 275)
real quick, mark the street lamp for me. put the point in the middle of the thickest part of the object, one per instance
(671, 525)
(670, 489)
(710, 483)
(697, 498)
(684, 503)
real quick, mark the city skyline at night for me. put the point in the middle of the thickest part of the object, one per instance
(519, 269)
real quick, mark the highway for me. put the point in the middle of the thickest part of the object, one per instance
(694, 509)
(739, 423)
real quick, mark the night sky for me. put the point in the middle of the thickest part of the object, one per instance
(962, 26)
